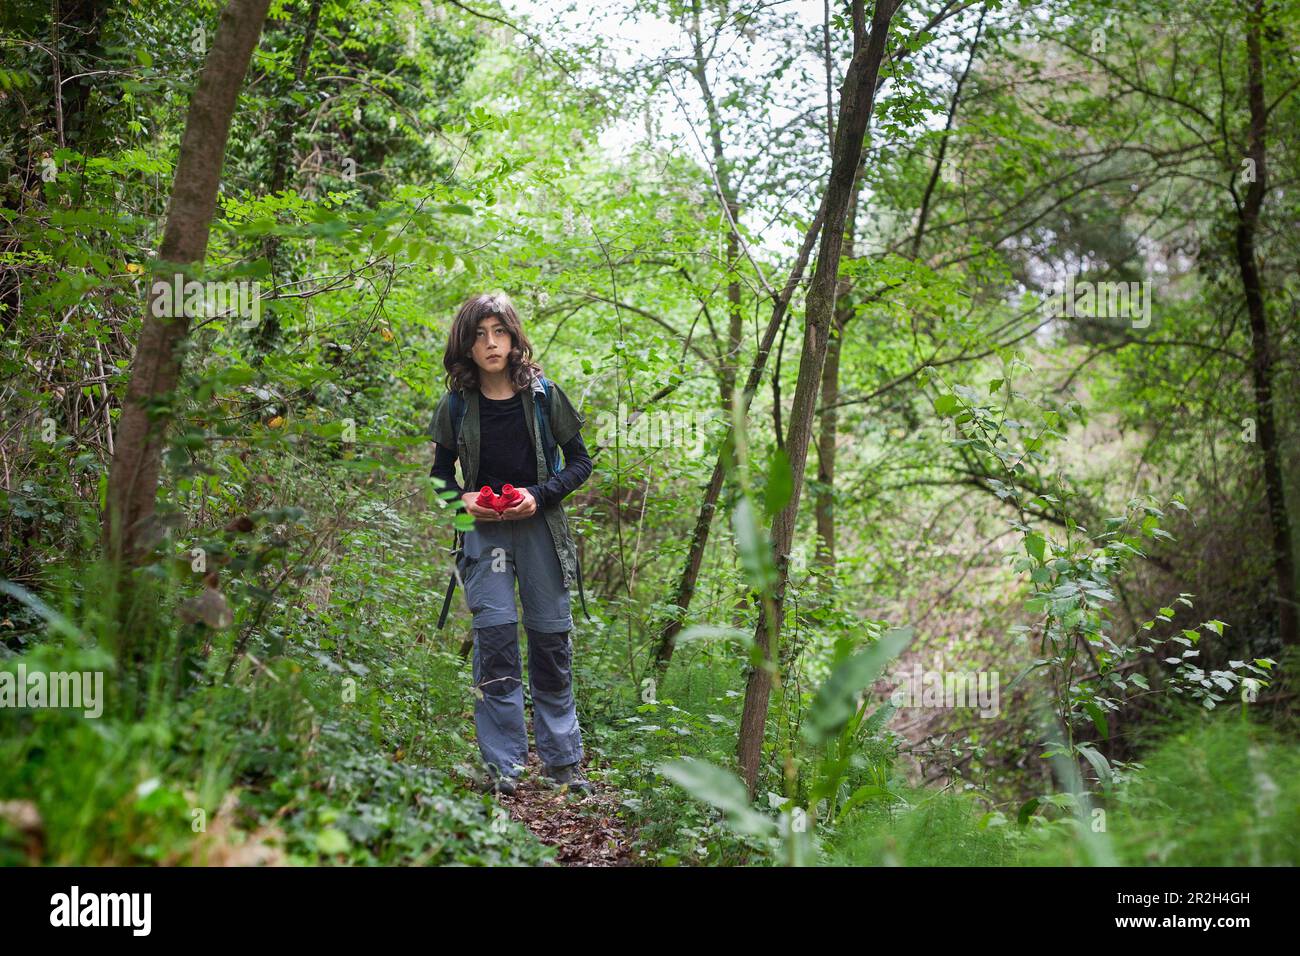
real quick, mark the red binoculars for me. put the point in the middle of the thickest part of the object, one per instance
(508, 498)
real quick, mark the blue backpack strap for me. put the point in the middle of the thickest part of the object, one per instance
(458, 409)
(549, 449)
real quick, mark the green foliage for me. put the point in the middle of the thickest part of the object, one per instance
(1214, 791)
(1028, 492)
(1073, 580)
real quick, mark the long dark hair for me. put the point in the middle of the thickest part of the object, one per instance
(462, 373)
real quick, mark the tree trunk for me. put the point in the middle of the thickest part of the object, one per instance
(137, 461)
(1261, 352)
(827, 432)
(857, 97)
(829, 418)
(704, 520)
(735, 330)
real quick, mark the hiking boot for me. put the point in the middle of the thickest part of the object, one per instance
(498, 783)
(568, 777)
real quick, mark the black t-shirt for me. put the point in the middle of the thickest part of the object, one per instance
(506, 454)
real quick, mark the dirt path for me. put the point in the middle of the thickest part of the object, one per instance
(585, 830)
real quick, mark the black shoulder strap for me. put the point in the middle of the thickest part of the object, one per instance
(458, 409)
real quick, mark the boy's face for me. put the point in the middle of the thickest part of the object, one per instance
(492, 345)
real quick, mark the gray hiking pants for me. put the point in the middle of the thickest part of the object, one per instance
(496, 553)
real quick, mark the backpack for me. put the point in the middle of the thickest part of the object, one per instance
(550, 451)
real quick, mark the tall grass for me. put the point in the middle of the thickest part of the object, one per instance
(1216, 789)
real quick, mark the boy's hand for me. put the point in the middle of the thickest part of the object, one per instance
(524, 508)
(470, 500)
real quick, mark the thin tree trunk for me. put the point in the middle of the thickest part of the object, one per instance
(735, 323)
(735, 330)
(943, 141)
(289, 110)
(1261, 352)
(133, 476)
(827, 433)
(722, 169)
(828, 418)
(857, 98)
(699, 540)
(703, 522)
(76, 32)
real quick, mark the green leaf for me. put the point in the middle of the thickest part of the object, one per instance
(1099, 763)
(836, 699)
(862, 795)
(1098, 718)
(331, 841)
(780, 483)
(755, 547)
(945, 405)
(1027, 810)
(721, 789)
(709, 632)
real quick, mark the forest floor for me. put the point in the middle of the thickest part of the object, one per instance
(585, 830)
